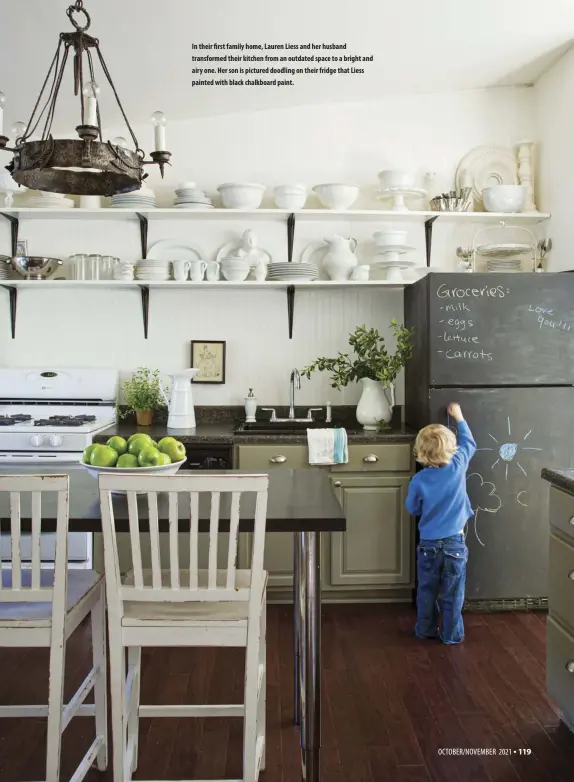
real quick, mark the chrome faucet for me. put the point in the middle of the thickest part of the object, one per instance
(295, 382)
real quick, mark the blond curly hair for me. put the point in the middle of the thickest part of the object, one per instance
(435, 446)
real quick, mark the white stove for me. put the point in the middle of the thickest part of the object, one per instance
(47, 417)
(52, 415)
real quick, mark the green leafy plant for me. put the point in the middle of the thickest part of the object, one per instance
(142, 392)
(371, 358)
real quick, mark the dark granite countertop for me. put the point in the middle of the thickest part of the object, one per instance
(223, 434)
(563, 479)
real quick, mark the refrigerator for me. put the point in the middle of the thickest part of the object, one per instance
(501, 345)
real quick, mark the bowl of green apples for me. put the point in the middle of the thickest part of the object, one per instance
(138, 454)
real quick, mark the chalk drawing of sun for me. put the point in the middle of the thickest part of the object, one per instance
(508, 452)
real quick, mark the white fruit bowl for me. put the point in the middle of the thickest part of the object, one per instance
(290, 196)
(336, 196)
(164, 469)
(236, 195)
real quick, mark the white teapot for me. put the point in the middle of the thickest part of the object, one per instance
(340, 259)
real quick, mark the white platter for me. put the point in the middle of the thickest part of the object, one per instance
(166, 469)
(503, 250)
(486, 166)
(174, 250)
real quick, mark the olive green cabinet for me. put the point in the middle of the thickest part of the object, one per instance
(376, 549)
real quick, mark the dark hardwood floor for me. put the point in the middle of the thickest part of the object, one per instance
(390, 703)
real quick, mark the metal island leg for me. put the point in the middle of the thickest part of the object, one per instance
(310, 637)
(297, 536)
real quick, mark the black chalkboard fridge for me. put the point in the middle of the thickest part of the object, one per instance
(502, 345)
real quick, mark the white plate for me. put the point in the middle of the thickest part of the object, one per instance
(314, 254)
(174, 250)
(503, 250)
(393, 248)
(197, 207)
(487, 166)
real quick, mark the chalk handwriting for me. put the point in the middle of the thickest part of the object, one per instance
(458, 338)
(460, 324)
(476, 355)
(557, 325)
(497, 292)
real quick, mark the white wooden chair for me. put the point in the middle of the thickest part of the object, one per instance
(42, 608)
(184, 607)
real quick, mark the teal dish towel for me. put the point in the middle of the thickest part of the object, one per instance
(328, 446)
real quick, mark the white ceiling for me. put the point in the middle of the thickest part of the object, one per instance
(419, 46)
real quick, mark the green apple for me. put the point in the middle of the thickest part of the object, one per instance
(88, 452)
(138, 442)
(149, 457)
(103, 456)
(128, 460)
(139, 434)
(174, 449)
(118, 443)
(164, 459)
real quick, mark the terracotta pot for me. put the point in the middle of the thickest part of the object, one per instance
(144, 417)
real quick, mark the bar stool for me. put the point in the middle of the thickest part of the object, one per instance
(184, 607)
(42, 607)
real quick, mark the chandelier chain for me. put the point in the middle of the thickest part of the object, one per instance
(117, 97)
(78, 8)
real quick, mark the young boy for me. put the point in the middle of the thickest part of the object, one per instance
(438, 495)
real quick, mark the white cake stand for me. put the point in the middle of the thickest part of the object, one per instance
(398, 195)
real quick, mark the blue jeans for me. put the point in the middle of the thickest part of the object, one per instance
(441, 569)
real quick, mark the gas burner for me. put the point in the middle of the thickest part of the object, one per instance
(10, 420)
(65, 420)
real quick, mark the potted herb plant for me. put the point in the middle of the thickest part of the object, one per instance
(142, 395)
(373, 366)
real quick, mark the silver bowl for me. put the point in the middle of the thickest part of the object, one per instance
(34, 267)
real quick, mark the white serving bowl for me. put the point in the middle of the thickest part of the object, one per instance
(290, 196)
(235, 270)
(393, 178)
(393, 237)
(235, 195)
(336, 196)
(504, 198)
(165, 469)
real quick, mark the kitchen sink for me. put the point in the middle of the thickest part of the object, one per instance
(281, 427)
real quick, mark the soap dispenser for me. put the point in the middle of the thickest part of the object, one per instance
(250, 407)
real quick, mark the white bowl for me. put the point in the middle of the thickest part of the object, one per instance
(235, 272)
(336, 196)
(290, 196)
(504, 198)
(165, 469)
(395, 178)
(235, 195)
(390, 238)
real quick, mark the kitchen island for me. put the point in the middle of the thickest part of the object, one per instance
(300, 502)
(560, 632)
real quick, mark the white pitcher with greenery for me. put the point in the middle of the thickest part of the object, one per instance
(374, 366)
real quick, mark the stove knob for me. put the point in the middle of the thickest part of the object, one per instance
(37, 440)
(55, 440)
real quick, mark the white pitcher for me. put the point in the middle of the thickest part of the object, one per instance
(181, 410)
(340, 259)
(374, 406)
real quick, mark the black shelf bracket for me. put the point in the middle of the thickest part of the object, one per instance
(290, 236)
(144, 289)
(428, 237)
(290, 308)
(143, 233)
(14, 228)
(13, 293)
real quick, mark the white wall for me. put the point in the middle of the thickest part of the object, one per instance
(555, 119)
(313, 144)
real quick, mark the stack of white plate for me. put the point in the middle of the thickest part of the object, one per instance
(153, 270)
(124, 271)
(292, 272)
(504, 265)
(188, 196)
(50, 201)
(144, 198)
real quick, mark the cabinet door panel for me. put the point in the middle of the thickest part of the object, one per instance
(376, 549)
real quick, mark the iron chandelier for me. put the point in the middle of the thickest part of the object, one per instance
(88, 165)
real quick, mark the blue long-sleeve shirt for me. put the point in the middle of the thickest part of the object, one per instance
(438, 494)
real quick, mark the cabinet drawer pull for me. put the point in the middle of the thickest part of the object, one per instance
(570, 666)
(278, 459)
(337, 484)
(571, 520)
(371, 458)
(571, 575)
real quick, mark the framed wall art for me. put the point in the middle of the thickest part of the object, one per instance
(209, 357)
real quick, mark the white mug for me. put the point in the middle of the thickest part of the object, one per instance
(197, 270)
(212, 271)
(360, 273)
(180, 270)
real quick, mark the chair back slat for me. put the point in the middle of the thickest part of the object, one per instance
(135, 538)
(26, 581)
(217, 497)
(193, 540)
(213, 538)
(174, 539)
(36, 533)
(154, 539)
(233, 535)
